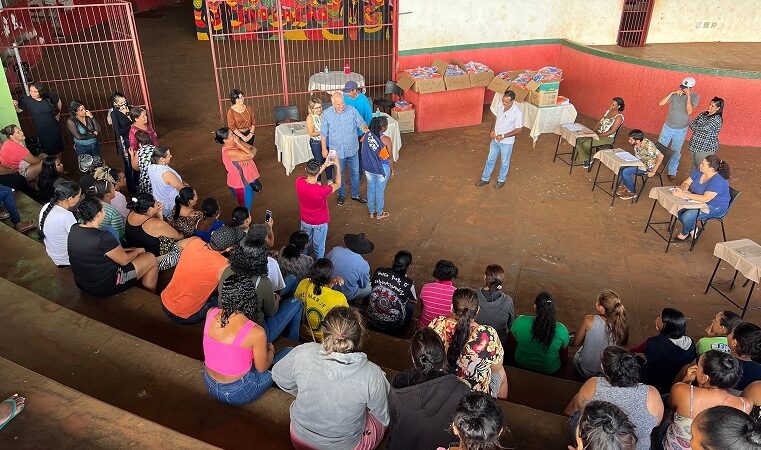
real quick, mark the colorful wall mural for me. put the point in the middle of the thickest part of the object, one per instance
(298, 19)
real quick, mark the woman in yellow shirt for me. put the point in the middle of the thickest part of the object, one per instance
(318, 297)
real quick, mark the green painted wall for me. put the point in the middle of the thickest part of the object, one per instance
(7, 111)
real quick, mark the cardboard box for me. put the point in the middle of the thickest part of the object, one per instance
(499, 85)
(420, 85)
(481, 79)
(456, 81)
(543, 99)
(406, 120)
(548, 86)
(521, 93)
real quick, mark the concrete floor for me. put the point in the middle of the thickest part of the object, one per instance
(546, 228)
(712, 55)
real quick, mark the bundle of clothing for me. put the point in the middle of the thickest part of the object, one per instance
(402, 105)
(423, 72)
(475, 67)
(453, 70)
(523, 79)
(547, 74)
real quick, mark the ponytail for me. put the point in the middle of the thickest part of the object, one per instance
(183, 198)
(62, 190)
(719, 165)
(615, 318)
(428, 355)
(543, 328)
(494, 275)
(296, 244)
(320, 274)
(465, 308)
(748, 337)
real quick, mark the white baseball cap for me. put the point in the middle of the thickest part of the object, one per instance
(688, 82)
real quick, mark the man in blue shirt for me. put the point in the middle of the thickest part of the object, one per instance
(359, 101)
(340, 123)
(349, 264)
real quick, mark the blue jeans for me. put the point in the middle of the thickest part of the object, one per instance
(290, 286)
(353, 162)
(286, 320)
(6, 198)
(244, 194)
(503, 151)
(317, 235)
(676, 138)
(245, 390)
(376, 187)
(197, 316)
(688, 216)
(316, 147)
(87, 149)
(627, 176)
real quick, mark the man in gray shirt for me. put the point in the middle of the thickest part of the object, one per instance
(674, 130)
(339, 127)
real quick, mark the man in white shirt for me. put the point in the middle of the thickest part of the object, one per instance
(508, 125)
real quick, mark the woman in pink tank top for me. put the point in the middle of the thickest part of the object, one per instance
(236, 353)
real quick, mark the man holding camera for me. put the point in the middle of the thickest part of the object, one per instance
(674, 131)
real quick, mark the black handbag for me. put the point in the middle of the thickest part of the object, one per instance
(256, 185)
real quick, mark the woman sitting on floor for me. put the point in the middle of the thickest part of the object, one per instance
(474, 352)
(101, 267)
(710, 185)
(620, 385)
(210, 220)
(423, 399)
(666, 353)
(542, 341)
(318, 297)
(236, 352)
(606, 131)
(607, 327)
(320, 375)
(717, 331)
(146, 228)
(56, 220)
(715, 373)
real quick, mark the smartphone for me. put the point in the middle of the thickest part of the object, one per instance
(332, 155)
(267, 215)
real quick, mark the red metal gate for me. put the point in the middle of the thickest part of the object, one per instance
(79, 51)
(635, 21)
(270, 48)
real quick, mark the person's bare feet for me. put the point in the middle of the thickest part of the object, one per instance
(372, 216)
(383, 215)
(7, 409)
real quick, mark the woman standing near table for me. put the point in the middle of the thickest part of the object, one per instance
(705, 132)
(240, 118)
(314, 125)
(238, 158)
(710, 185)
(45, 109)
(606, 129)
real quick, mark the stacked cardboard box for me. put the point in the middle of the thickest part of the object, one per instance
(537, 93)
(406, 120)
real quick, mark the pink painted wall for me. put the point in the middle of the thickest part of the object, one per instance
(590, 82)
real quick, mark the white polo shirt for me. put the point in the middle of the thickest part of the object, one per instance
(508, 121)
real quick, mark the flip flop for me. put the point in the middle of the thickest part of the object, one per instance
(26, 226)
(15, 410)
(383, 215)
(4, 215)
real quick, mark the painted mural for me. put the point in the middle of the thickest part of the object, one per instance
(298, 19)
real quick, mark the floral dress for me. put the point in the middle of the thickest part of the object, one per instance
(482, 350)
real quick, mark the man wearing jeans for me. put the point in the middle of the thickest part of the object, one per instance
(339, 127)
(313, 204)
(508, 125)
(674, 130)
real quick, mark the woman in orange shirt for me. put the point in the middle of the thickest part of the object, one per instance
(240, 119)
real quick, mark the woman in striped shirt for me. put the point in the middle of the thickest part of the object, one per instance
(436, 297)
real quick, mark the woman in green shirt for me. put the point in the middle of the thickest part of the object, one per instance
(541, 340)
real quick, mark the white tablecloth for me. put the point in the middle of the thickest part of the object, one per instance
(333, 81)
(540, 120)
(293, 148)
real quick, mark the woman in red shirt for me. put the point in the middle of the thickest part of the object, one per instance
(14, 155)
(242, 174)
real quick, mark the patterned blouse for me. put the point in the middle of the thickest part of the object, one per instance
(648, 153)
(144, 154)
(705, 133)
(298, 267)
(607, 122)
(482, 350)
(187, 224)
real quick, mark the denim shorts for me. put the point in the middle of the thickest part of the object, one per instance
(245, 390)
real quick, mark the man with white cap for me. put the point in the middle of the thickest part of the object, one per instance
(674, 130)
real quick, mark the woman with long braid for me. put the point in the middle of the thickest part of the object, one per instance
(474, 352)
(56, 219)
(542, 340)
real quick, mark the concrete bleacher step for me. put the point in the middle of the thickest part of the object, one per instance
(131, 374)
(57, 414)
(136, 312)
(535, 390)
